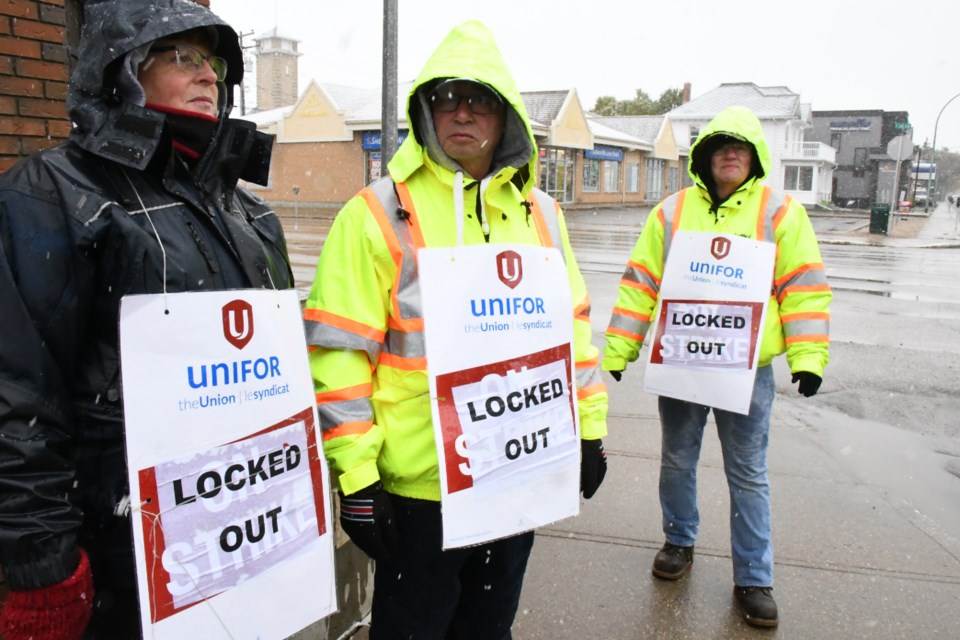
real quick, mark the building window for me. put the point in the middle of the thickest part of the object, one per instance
(591, 175)
(654, 180)
(694, 134)
(633, 178)
(557, 173)
(797, 178)
(859, 162)
(835, 139)
(611, 176)
(673, 180)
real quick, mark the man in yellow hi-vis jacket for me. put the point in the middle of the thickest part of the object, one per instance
(727, 163)
(471, 150)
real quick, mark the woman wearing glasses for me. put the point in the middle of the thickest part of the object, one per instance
(143, 198)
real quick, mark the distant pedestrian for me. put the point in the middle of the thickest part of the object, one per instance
(727, 163)
(463, 179)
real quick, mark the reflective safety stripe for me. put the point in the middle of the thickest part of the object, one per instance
(637, 276)
(326, 329)
(668, 217)
(335, 414)
(629, 324)
(809, 277)
(404, 346)
(548, 226)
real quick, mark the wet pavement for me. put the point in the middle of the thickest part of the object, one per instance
(866, 509)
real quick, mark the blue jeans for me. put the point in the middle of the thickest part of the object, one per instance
(743, 439)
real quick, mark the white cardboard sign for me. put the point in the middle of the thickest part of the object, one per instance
(709, 320)
(228, 482)
(498, 321)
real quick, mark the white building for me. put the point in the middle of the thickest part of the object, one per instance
(804, 170)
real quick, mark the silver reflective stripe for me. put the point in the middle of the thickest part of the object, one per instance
(633, 274)
(669, 209)
(774, 202)
(587, 377)
(548, 208)
(806, 328)
(323, 335)
(334, 414)
(811, 278)
(400, 343)
(628, 324)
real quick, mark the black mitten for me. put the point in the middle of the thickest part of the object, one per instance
(593, 466)
(809, 382)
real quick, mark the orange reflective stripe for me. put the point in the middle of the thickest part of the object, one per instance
(779, 215)
(629, 335)
(810, 266)
(399, 362)
(407, 325)
(591, 390)
(347, 393)
(620, 311)
(541, 224)
(812, 288)
(810, 338)
(639, 286)
(811, 315)
(678, 213)
(764, 199)
(345, 324)
(347, 429)
(586, 364)
(639, 267)
(406, 201)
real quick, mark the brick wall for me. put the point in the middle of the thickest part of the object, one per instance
(33, 77)
(35, 37)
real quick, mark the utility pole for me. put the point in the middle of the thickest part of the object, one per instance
(933, 153)
(388, 118)
(243, 88)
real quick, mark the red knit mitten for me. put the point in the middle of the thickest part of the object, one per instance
(58, 612)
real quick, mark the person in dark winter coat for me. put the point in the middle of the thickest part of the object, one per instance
(143, 198)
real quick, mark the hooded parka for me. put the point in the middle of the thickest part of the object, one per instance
(364, 318)
(798, 312)
(111, 212)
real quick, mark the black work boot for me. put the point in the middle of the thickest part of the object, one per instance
(757, 605)
(672, 561)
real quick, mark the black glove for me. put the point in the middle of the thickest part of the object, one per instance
(367, 517)
(809, 382)
(593, 466)
(616, 375)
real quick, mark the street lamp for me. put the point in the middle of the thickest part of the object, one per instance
(933, 153)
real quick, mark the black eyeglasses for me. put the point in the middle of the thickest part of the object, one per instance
(447, 100)
(190, 59)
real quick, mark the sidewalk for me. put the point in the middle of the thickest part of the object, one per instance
(938, 229)
(849, 563)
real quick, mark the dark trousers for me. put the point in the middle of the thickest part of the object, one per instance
(430, 594)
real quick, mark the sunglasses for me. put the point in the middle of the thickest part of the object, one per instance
(447, 100)
(190, 60)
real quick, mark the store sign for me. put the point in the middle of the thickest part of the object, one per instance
(600, 152)
(371, 139)
(858, 124)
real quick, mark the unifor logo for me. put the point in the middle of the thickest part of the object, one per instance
(509, 268)
(238, 323)
(720, 248)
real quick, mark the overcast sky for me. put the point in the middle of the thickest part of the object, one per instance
(837, 54)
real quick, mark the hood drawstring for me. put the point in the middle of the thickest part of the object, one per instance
(402, 213)
(482, 206)
(526, 205)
